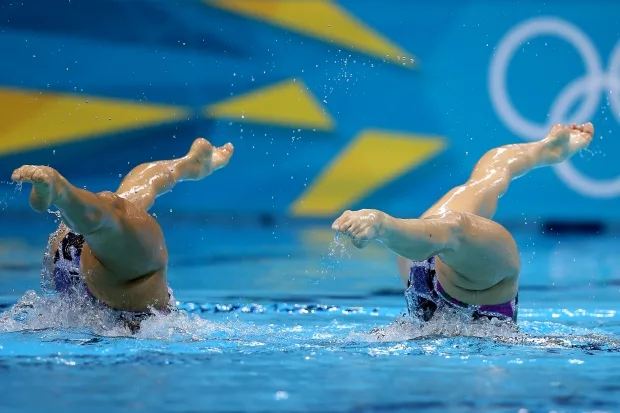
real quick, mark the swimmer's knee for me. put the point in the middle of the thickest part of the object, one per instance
(107, 196)
(457, 225)
(110, 198)
(452, 227)
(453, 221)
(467, 229)
(107, 216)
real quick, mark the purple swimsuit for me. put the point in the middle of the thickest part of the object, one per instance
(67, 279)
(425, 295)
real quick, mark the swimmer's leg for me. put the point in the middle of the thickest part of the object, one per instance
(473, 239)
(121, 236)
(484, 252)
(493, 173)
(148, 181)
(458, 227)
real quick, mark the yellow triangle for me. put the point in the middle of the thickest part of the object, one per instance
(373, 159)
(34, 119)
(288, 103)
(321, 19)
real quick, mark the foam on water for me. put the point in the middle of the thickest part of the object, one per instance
(36, 312)
(49, 313)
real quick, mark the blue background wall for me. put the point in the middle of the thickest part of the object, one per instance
(331, 105)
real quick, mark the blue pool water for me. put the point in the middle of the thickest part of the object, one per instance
(281, 319)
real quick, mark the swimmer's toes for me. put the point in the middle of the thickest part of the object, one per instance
(21, 174)
(581, 142)
(564, 141)
(583, 138)
(40, 177)
(222, 155)
(226, 151)
(229, 147)
(201, 149)
(33, 174)
(24, 174)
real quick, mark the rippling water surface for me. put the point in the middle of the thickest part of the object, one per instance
(285, 319)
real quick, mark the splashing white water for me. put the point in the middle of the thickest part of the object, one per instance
(35, 312)
(446, 322)
(337, 250)
(4, 202)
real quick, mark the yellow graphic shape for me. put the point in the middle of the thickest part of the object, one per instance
(288, 103)
(321, 19)
(34, 119)
(373, 159)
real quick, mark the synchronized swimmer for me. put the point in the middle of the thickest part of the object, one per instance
(454, 255)
(108, 247)
(110, 250)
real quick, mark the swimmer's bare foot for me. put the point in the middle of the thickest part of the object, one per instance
(47, 185)
(203, 158)
(562, 142)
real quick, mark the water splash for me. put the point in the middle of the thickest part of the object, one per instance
(8, 196)
(35, 312)
(56, 214)
(337, 250)
(449, 333)
(448, 324)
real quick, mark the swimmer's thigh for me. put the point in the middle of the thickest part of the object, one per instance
(130, 243)
(484, 253)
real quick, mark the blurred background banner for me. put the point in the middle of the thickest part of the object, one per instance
(331, 105)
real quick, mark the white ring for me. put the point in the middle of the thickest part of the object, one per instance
(499, 68)
(566, 170)
(608, 188)
(613, 81)
(569, 95)
(589, 86)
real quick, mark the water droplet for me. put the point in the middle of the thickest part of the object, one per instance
(281, 395)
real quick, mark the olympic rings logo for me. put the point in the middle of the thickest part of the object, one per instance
(595, 82)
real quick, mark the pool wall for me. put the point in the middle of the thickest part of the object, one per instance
(331, 105)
